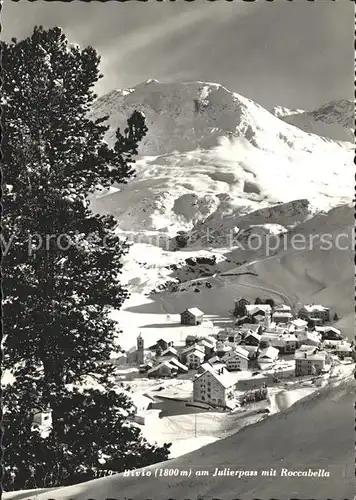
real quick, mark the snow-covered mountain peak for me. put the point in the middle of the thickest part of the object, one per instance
(186, 116)
(334, 120)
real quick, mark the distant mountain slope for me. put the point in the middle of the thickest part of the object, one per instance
(185, 116)
(334, 120)
(314, 433)
(211, 152)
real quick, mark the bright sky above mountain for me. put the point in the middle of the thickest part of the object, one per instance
(294, 54)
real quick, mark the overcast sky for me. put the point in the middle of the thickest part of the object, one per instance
(295, 54)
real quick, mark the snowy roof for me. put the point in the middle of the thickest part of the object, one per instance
(282, 308)
(299, 322)
(253, 308)
(175, 362)
(254, 335)
(169, 350)
(283, 314)
(242, 353)
(270, 352)
(250, 326)
(311, 356)
(196, 352)
(224, 379)
(160, 365)
(307, 347)
(195, 311)
(315, 307)
(210, 340)
(323, 329)
(344, 346)
(195, 347)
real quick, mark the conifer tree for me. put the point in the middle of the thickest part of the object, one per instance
(61, 262)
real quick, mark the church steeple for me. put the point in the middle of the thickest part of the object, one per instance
(140, 350)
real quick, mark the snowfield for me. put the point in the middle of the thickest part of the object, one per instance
(313, 433)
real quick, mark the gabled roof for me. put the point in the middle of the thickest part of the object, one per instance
(250, 326)
(238, 351)
(254, 308)
(160, 365)
(270, 352)
(194, 311)
(254, 335)
(194, 347)
(175, 362)
(299, 322)
(169, 349)
(282, 314)
(197, 352)
(315, 307)
(323, 329)
(282, 308)
(311, 356)
(224, 379)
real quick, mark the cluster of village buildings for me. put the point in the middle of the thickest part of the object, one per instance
(258, 337)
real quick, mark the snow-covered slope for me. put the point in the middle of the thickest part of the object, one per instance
(186, 116)
(314, 433)
(216, 152)
(334, 120)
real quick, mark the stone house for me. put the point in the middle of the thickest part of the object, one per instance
(212, 386)
(192, 316)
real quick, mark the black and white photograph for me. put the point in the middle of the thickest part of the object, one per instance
(178, 250)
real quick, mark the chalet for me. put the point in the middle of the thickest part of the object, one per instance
(212, 386)
(161, 344)
(163, 369)
(234, 338)
(332, 344)
(282, 308)
(268, 355)
(316, 313)
(252, 350)
(255, 310)
(309, 363)
(180, 367)
(191, 340)
(222, 348)
(344, 349)
(240, 306)
(288, 343)
(169, 352)
(208, 344)
(329, 332)
(184, 354)
(282, 316)
(194, 359)
(299, 324)
(237, 359)
(285, 343)
(251, 339)
(242, 320)
(308, 338)
(251, 327)
(192, 316)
